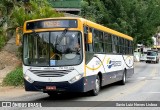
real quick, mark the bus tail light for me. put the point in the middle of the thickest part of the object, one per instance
(76, 78)
(28, 79)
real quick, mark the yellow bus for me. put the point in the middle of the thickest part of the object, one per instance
(70, 54)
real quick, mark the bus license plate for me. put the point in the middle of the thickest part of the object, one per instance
(50, 87)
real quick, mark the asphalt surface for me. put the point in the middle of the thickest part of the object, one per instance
(144, 85)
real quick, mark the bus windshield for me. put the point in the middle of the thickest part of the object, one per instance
(152, 54)
(52, 48)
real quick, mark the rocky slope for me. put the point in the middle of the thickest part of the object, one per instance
(8, 58)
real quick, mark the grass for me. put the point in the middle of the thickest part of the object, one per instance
(14, 78)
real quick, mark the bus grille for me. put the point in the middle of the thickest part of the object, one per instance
(51, 73)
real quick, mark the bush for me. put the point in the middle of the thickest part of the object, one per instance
(14, 78)
(2, 42)
(2, 38)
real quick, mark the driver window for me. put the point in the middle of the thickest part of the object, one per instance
(74, 42)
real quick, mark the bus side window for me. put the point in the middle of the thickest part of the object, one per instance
(118, 45)
(88, 47)
(98, 41)
(131, 45)
(121, 45)
(114, 43)
(107, 43)
(127, 46)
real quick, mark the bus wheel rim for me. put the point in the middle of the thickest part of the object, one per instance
(97, 86)
(124, 77)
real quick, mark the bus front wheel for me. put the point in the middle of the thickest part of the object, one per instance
(96, 90)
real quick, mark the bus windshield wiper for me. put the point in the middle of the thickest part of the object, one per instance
(58, 40)
(34, 32)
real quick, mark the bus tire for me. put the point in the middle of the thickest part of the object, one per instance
(96, 90)
(123, 81)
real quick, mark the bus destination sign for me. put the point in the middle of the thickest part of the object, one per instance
(43, 24)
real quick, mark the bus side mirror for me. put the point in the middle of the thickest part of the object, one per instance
(89, 38)
(17, 36)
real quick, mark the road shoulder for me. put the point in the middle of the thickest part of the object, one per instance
(11, 92)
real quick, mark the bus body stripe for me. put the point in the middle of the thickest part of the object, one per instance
(98, 65)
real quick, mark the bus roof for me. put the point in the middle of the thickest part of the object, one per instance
(53, 18)
(90, 24)
(105, 29)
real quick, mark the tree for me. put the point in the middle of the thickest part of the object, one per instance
(5, 11)
(14, 13)
(90, 10)
(137, 18)
(35, 9)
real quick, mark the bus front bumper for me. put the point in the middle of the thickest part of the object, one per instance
(60, 86)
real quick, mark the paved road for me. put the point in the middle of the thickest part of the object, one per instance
(144, 85)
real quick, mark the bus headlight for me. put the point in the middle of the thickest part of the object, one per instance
(28, 79)
(76, 78)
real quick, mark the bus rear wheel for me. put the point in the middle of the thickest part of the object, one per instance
(123, 81)
(96, 90)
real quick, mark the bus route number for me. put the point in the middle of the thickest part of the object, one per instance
(51, 24)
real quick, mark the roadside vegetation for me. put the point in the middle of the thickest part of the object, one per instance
(13, 13)
(2, 38)
(14, 78)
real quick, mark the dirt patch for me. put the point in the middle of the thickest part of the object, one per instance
(8, 62)
(10, 46)
(11, 92)
(8, 59)
(1, 66)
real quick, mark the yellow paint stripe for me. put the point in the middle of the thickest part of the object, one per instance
(96, 67)
(128, 57)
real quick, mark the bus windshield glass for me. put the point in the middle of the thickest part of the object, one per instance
(52, 48)
(151, 53)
